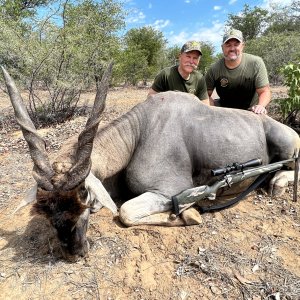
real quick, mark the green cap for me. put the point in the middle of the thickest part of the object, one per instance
(233, 34)
(191, 46)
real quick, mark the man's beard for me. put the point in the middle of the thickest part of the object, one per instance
(227, 57)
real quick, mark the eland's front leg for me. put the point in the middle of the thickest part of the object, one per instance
(155, 209)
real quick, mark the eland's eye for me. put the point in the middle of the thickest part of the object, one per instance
(83, 193)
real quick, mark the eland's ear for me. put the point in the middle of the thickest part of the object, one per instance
(29, 198)
(99, 196)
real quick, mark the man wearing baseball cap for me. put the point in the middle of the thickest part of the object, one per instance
(240, 79)
(183, 77)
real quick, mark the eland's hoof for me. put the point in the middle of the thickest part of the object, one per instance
(191, 217)
(278, 184)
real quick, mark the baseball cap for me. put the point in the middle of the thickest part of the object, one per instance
(233, 34)
(191, 46)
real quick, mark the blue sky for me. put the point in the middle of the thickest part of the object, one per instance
(182, 20)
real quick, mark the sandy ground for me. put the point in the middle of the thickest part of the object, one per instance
(249, 251)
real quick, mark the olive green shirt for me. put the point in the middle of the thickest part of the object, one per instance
(237, 87)
(169, 79)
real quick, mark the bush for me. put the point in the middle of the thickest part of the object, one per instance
(290, 107)
(277, 50)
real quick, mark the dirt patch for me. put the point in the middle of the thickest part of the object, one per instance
(250, 251)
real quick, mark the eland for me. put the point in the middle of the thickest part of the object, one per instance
(164, 145)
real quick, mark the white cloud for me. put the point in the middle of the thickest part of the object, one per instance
(216, 7)
(129, 2)
(136, 16)
(267, 4)
(178, 39)
(159, 24)
(150, 5)
(232, 2)
(211, 34)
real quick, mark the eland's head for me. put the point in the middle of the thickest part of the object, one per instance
(62, 193)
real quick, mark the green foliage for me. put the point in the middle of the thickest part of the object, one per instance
(21, 8)
(284, 19)
(90, 37)
(291, 73)
(9, 52)
(206, 58)
(276, 50)
(142, 53)
(168, 57)
(131, 65)
(171, 56)
(254, 22)
(148, 39)
(251, 21)
(64, 56)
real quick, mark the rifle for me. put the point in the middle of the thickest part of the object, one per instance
(232, 174)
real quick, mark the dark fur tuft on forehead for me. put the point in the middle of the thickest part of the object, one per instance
(67, 204)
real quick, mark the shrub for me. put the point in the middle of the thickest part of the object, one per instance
(290, 107)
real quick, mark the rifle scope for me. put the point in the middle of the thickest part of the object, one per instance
(236, 167)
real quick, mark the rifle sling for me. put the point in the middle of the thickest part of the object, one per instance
(255, 184)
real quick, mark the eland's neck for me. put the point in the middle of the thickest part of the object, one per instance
(115, 144)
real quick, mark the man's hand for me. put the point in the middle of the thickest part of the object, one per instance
(259, 109)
